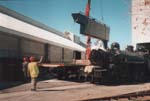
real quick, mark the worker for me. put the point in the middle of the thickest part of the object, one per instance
(25, 67)
(34, 72)
(33, 69)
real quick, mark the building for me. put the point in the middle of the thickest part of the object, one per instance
(140, 21)
(22, 36)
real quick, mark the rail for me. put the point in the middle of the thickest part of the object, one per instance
(129, 97)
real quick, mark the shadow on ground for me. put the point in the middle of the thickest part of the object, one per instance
(9, 84)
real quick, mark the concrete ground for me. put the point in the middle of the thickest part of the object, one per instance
(57, 90)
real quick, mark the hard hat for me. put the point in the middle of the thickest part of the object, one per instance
(32, 59)
(25, 59)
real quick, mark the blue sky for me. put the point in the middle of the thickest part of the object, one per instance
(57, 14)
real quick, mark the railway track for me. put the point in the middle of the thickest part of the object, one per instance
(136, 96)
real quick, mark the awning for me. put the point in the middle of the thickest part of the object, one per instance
(23, 29)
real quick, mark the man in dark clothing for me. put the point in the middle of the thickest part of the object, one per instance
(25, 68)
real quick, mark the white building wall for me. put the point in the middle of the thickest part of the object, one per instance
(140, 21)
(8, 42)
(8, 45)
(83, 55)
(35, 33)
(30, 47)
(68, 55)
(55, 54)
(30, 40)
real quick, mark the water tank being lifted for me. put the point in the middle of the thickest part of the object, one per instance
(91, 27)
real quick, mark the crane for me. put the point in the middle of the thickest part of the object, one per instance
(88, 41)
(91, 28)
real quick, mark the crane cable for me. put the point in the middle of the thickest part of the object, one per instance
(101, 9)
(126, 3)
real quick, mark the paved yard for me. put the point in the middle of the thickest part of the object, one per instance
(57, 90)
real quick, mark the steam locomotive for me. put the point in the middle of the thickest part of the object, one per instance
(123, 66)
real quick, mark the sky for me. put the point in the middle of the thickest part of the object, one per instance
(57, 14)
